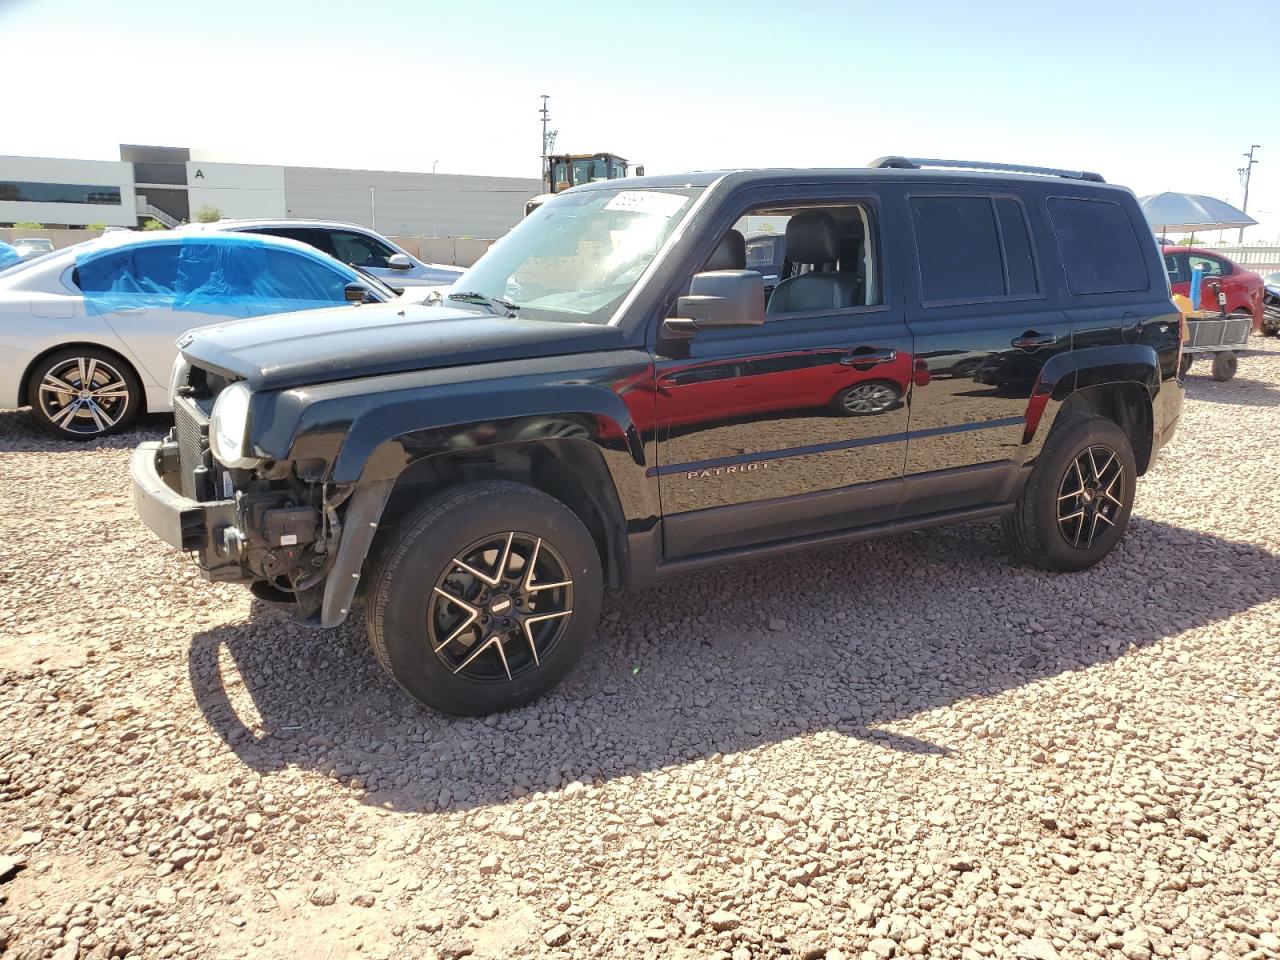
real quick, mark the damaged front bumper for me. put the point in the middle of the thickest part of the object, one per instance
(200, 528)
(232, 542)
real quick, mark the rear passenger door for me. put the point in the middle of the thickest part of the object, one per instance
(984, 327)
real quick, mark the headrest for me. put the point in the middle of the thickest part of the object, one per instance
(731, 254)
(812, 237)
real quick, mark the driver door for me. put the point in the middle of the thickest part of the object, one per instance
(778, 450)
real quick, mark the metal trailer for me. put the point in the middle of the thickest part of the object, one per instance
(1217, 335)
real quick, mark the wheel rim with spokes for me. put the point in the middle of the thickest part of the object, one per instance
(83, 395)
(869, 398)
(1090, 496)
(500, 607)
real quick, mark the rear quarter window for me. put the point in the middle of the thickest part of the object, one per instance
(1100, 250)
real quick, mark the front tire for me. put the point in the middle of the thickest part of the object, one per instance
(84, 393)
(485, 598)
(1076, 504)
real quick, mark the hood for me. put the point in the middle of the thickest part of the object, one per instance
(342, 343)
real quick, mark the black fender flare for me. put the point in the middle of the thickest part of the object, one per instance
(1073, 370)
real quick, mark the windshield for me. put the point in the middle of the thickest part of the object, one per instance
(575, 257)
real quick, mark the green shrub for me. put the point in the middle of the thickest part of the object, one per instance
(208, 214)
(28, 225)
(95, 226)
(154, 224)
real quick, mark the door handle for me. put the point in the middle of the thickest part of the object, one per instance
(1030, 340)
(129, 310)
(868, 357)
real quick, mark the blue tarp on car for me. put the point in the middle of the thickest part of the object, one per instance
(9, 255)
(228, 275)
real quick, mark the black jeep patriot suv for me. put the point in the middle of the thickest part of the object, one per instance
(608, 397)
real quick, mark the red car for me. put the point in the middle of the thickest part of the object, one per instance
(1243, 288)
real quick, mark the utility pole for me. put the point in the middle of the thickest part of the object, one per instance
(373, 208)
(1246, 173)
(548, 138)
(546, 117)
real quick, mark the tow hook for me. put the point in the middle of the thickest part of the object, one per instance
(232, 541)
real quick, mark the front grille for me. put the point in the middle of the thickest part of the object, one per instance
(191, 429)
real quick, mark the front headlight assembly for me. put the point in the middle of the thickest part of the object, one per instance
(229, 428)
(178, 375)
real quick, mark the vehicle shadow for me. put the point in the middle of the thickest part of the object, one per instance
(19, 433)
(701, 665)
(1239, 391)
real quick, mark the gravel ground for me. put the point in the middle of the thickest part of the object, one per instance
(909, 747)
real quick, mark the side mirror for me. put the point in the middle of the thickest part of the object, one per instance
(399, 261)
(639, 170)
(719, 298)
(356, 293)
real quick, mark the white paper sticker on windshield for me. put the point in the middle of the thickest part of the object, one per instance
(647, 201)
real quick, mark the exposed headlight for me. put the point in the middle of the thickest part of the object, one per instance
(178, 375)
(229, 428)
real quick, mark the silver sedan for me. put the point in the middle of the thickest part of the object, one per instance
(87, 334)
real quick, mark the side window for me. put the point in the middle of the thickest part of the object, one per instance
(832, 256)
(149, 269)
(959, 248)
(1019, 259)
(291, 279)
(1100, 250)
(760, 254)
(1173, 266)
(359, 250)
(1212, 265)
(312, 238)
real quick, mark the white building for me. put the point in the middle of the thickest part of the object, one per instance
(61, 192)
(167, 183)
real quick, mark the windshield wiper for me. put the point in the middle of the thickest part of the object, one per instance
(503, 308)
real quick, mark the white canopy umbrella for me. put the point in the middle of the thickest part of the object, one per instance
(1191, 211)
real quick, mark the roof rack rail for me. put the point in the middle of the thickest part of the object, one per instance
(917, 163)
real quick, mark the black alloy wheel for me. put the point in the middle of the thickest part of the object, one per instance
(499, 607)
(484, 597)
(1076, 503)
(1090, 496)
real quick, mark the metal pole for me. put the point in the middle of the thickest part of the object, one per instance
(373, 208)
(1248, 174)
(546, 116)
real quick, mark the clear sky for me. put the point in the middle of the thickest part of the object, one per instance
(1157, 96)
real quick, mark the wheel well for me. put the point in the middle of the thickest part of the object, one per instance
(24, 385)
(570, 470)
(1127, 405)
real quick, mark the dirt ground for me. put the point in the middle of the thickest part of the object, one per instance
(908, 747)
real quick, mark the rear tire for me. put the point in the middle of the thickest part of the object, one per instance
(84, 393)
(1184, 364)
(1224, 366)
(510, 644)
(1076, 504)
